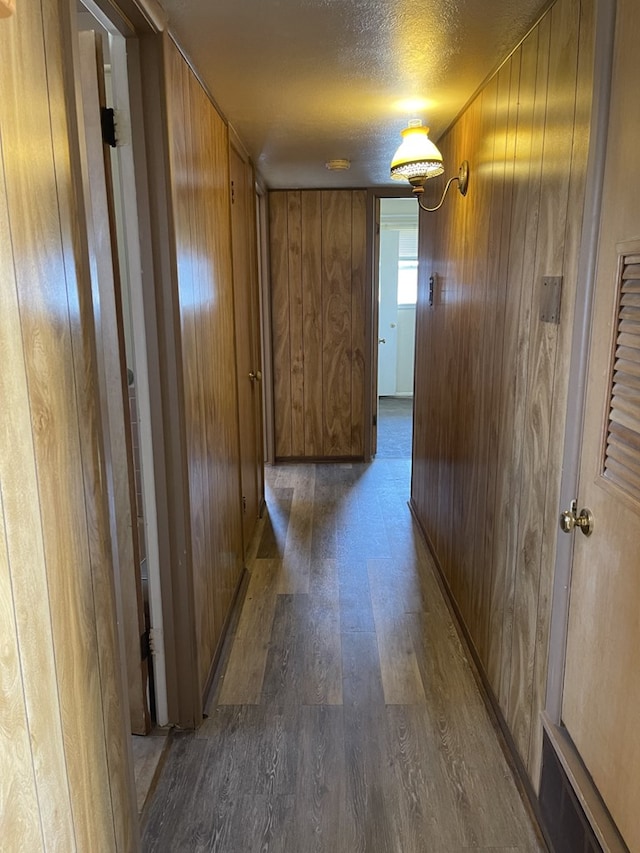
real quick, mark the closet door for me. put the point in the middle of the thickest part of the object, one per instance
(247, 323)
(602, 677)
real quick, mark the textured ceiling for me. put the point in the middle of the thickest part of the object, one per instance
(306, 81)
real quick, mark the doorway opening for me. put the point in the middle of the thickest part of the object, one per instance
(397, 296)
(103, 67)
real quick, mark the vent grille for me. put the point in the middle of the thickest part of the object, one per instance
(622, 451)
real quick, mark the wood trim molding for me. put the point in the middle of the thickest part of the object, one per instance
(154, 14)
(371, 322)
(264, 272)
(130, 17)
(173, 513)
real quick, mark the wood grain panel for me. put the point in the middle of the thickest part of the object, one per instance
(493, 376)
(584, 33)
(189, 300)
(313, 328)
(336, 311)
(225, 486)
(279, 256)
(359, 245)
(318, 290)
(296, 322)
(113, 740)
(210, 580)
(28, 653)
(502, 578)
(20, 819)
(216, 346)
(476, 329)
(75, 707)
(201, 199)
(490, 331)
(538, 456)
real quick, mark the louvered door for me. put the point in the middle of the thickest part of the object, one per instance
(622, 449)
(601, 702)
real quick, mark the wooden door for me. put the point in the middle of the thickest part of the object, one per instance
(112, 374)
(246, 301)
(601, 699)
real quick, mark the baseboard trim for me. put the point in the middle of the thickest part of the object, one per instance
(312, 460)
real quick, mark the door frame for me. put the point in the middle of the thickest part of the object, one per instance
(581, 339)
(255, 323)
(120, 82)
(264, 284)
(134, 22)
(371, 310)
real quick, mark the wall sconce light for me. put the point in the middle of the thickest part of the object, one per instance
(418, 159)
(7, 7)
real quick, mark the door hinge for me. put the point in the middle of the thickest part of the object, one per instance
(375, 420)
(108, 124)
(244, 505)
(233, 193)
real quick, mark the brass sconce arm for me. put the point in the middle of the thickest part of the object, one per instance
(463, 184)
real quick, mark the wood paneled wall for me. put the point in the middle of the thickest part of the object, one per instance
(199, 162)
(491, 375)
(64, 772)
(318, 267)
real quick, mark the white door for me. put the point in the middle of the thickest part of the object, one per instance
(388, 313)
(601, 698)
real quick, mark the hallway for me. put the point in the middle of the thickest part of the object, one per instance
(347, 718)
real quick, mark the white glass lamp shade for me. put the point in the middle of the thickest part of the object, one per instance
(417, 159)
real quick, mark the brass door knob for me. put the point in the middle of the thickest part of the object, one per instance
(569, 519)
(255, 376)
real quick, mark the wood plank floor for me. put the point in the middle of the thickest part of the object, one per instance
(347, 718)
